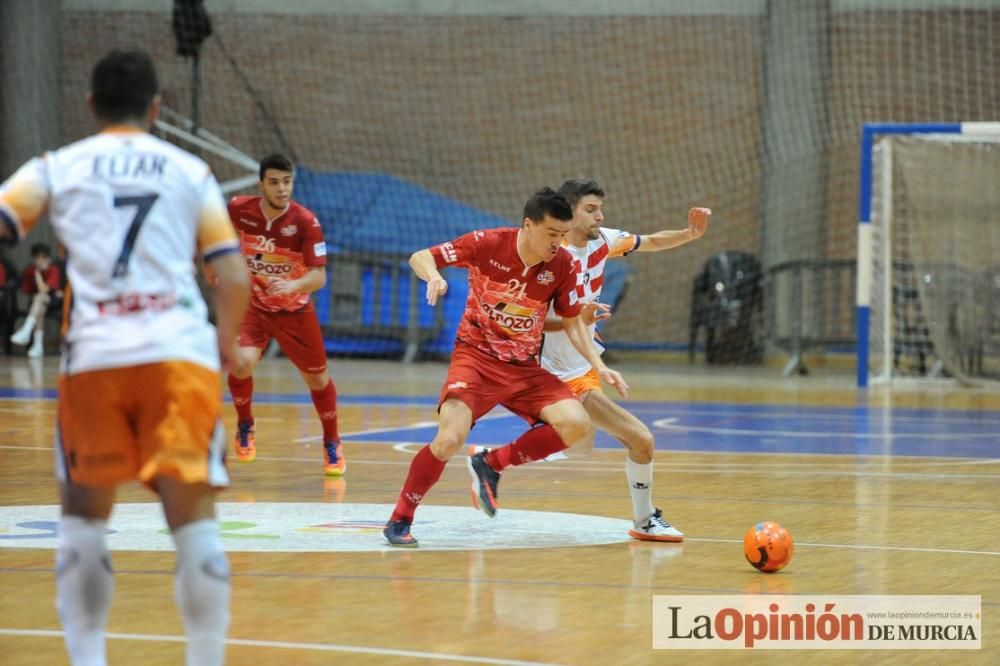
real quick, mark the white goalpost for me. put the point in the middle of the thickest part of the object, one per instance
(928, 290)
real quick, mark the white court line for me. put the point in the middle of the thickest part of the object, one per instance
(695, 468)
(913, 549)
(286, 645)
(665, 467)
(669, 425)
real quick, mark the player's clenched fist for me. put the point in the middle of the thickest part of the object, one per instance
(698, 221)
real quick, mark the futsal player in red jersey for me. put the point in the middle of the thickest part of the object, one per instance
(515, 274)
(285, 250)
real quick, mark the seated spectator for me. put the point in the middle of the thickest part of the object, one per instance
(42, 280)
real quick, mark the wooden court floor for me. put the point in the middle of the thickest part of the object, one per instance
(555, 578)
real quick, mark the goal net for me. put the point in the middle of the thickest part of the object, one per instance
(415, 121)
(934, 253)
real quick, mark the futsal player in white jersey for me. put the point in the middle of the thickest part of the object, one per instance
(591, 246)
(139, 380)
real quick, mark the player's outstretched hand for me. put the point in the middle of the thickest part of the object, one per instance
(698, 221)
(613, 378)
(594, 312)
(436, 287)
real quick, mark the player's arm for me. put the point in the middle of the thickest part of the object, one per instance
(671, 238)
(578, 334)
(590, 313)
(231, 289)
(224, 263)
(424, 265)
(313, 280)
(23, 199)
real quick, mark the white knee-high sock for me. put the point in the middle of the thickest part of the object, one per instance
(640, 486)
(201, 589)
(84, 585)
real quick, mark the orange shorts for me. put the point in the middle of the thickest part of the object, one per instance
(140, 422)
(584, 384)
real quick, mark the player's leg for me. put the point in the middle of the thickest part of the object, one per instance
(182, 444)
(624, 426)
(582, 386)
(84, 578)
(301, 340)
(95, 450)
(33, 321)
(454, 423)
(538, 396)
(569, 423)
(201, 580)
(469, 391)
(254, 337)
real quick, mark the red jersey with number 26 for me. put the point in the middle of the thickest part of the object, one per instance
(508, 301)
(284, 248)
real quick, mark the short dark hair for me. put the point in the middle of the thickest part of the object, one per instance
(123, 85)
(547, 201)
(575, 189)
(41, 250)
(275, 161)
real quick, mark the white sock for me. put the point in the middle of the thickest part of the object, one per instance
(26, 328)
(640, 486)
(84, 585)
(558, 455)
(37, 342)
(201, 590)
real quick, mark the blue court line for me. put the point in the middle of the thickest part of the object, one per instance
(634, 406)
(802, 430)
(723, 427)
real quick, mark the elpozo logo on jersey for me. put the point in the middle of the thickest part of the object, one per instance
(269, 267)
(511, 316)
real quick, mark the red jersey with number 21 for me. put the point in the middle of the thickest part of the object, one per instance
(284, 248)
(508, 301)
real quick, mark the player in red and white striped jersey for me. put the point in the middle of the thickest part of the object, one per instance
(591, 245)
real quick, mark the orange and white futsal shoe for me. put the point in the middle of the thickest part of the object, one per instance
(246, 444)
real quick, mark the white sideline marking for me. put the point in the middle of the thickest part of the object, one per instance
(286, 645)
(669, 424)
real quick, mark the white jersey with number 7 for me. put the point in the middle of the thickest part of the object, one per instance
(133, 212)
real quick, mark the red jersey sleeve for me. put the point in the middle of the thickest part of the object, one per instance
(565, 298)
(53, 277)
(462, 252)
(313, 244)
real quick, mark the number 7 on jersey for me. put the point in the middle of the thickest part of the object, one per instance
(143, 204)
